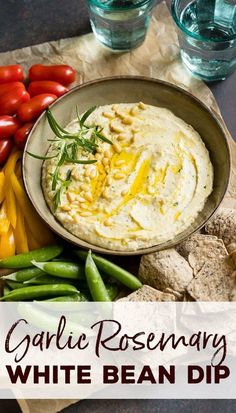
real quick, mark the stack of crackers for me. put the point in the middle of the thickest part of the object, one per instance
(202, 268)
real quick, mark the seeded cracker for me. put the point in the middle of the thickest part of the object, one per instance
(204, 251)
(223, 225)
(214, 282)
(147, 293)
(165, 269)
(231, 247)
(189, 245)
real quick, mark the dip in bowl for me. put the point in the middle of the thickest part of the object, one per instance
(159, 176)
(149, 180)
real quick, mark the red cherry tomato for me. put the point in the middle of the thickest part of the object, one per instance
(46, 86)
(5, 149)
(21, 135)
(32, 109)
(12, 73)
(11, 101)
(59, 73)
(8, 126)
(6, 87)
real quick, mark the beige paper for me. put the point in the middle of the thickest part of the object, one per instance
(158, 57)
(44, 406)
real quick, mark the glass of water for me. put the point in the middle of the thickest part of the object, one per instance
(207, 36)
(120, 24)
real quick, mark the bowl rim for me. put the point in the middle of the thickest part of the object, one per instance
(157, 247)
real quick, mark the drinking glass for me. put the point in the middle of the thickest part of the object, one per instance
(207, 36)
(120, 24)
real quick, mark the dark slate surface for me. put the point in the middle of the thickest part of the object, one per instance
(153, 406)
(26, 22)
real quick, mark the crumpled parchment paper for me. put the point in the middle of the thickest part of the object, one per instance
(158, 57)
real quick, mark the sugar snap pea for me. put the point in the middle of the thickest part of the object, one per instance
(109, 268)
(46, 279)
(14, 285)
(6, 290)
(24, 275)
(36, 316)
(68, 298)
(95, 282)
(69, 270)
(43, 291)
(25, 260)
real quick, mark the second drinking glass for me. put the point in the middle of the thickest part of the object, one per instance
(120, 24)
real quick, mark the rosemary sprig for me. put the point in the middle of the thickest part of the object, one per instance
(67, 145)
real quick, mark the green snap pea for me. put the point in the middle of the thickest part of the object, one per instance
(36, 316)
(14, 285)
(6, 290)
(69, 270)
(68, 298)
(29, 293)
(25, 260)
(112, 290)
(24, 275)
(46, 279)
(95, 282)
(109, 268)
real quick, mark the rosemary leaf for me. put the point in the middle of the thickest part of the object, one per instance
(103, 138)
(57, 199)
(74, 151)
(53, 127)
(43, 158)
(86, 115)
(64, 186)
(55, 177)
(51, 119)
(68, 178)
(53, 140)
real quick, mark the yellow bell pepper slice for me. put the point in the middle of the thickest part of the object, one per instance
(10, 197)
(11, 205)
(20, 234)
(11, 163)
(7, 244)
(34, 222)
(4, 221)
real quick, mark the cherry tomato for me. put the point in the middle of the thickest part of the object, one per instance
(59, 73)
(21, 135)
(8, 126)
(46, 86)
(11, 101)
(12, 73)
(32, 109)
(6, 87)
(5, 149)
